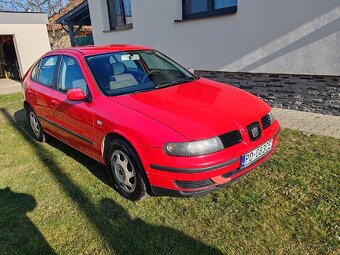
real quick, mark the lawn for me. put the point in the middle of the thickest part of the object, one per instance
(54, 200)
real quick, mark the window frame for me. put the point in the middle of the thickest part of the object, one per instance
(112, 22)
(55, 73)
(211, 12)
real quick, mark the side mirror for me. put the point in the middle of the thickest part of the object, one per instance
(76, 95)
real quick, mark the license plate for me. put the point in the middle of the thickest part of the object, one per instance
(253, 156)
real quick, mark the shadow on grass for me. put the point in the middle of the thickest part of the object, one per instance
(97, 169)
(18, 234)
(121, 233)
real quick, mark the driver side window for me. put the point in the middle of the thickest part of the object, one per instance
(71, 76)
(156, 63)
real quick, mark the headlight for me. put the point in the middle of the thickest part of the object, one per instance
(196, 148)
(271, 117)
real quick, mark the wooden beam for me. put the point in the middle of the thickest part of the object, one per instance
(72, 31)
(78, 29)
(72, 35)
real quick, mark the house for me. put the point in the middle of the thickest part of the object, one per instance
(23, 39)
(285, 51)
(59, 38)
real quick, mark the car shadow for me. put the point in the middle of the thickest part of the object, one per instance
(135, 236)
(94, 167)
(122, 233)
(18, 233)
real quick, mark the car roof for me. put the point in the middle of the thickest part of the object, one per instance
(93, 50)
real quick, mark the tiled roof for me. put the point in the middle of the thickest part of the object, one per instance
(67, 8)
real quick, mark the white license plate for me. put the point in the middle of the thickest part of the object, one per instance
(253, 156)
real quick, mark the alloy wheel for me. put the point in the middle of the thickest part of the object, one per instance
(34, 124)
(123, 171)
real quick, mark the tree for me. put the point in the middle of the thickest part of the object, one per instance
(48, 6)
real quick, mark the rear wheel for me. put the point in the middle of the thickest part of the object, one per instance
(36, 128)
(125, 171)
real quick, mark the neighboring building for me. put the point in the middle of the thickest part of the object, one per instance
(23, 39)
(285, 51)
(59, 38)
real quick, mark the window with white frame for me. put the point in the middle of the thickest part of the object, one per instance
(205, 8)
(120, 14)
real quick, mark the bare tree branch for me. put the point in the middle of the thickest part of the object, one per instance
(48, 6)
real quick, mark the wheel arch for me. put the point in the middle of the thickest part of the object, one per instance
(106, 149)
(27, 106)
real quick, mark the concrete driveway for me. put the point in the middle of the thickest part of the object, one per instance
(9, 86)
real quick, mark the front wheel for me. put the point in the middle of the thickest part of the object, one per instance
(36, 128)
(125, 171)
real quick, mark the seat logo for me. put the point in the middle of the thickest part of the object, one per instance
(255, 132)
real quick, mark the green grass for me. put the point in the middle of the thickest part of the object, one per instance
(53, 199)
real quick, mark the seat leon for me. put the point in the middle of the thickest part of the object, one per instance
(157, 127)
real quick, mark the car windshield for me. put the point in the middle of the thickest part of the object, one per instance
(129, 72)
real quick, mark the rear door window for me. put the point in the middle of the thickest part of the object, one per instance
(47, 69)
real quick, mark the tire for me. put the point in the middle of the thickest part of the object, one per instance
(36, 128)
(126, 171)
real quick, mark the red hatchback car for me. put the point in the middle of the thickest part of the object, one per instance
(159, 128)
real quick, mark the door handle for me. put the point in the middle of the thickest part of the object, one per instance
(54, 103)
(30, 93)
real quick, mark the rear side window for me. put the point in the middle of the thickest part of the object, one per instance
(47, 69)
(35, 72)
(71, 76)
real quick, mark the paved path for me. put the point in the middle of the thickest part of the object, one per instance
(9, 86)
(309, 122)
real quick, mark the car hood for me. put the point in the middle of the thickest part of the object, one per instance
(199, 109)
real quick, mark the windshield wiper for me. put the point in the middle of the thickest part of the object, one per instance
(175, 82)
(141, 90)
(164, 85)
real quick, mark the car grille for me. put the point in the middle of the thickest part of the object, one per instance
(265, 120)
(250, 131)
(194, 185)
(231, 138)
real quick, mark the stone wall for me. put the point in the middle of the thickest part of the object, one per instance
(311, 93)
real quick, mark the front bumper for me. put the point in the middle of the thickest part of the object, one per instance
(224, 180)
(194, 176)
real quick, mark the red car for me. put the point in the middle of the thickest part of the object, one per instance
(159, 128)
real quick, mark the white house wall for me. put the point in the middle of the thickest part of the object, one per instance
(30, 36)
(268, 36)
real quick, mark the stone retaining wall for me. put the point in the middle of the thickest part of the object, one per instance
(311, 93)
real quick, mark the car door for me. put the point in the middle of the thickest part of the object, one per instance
(41, 85)
(73, 119)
